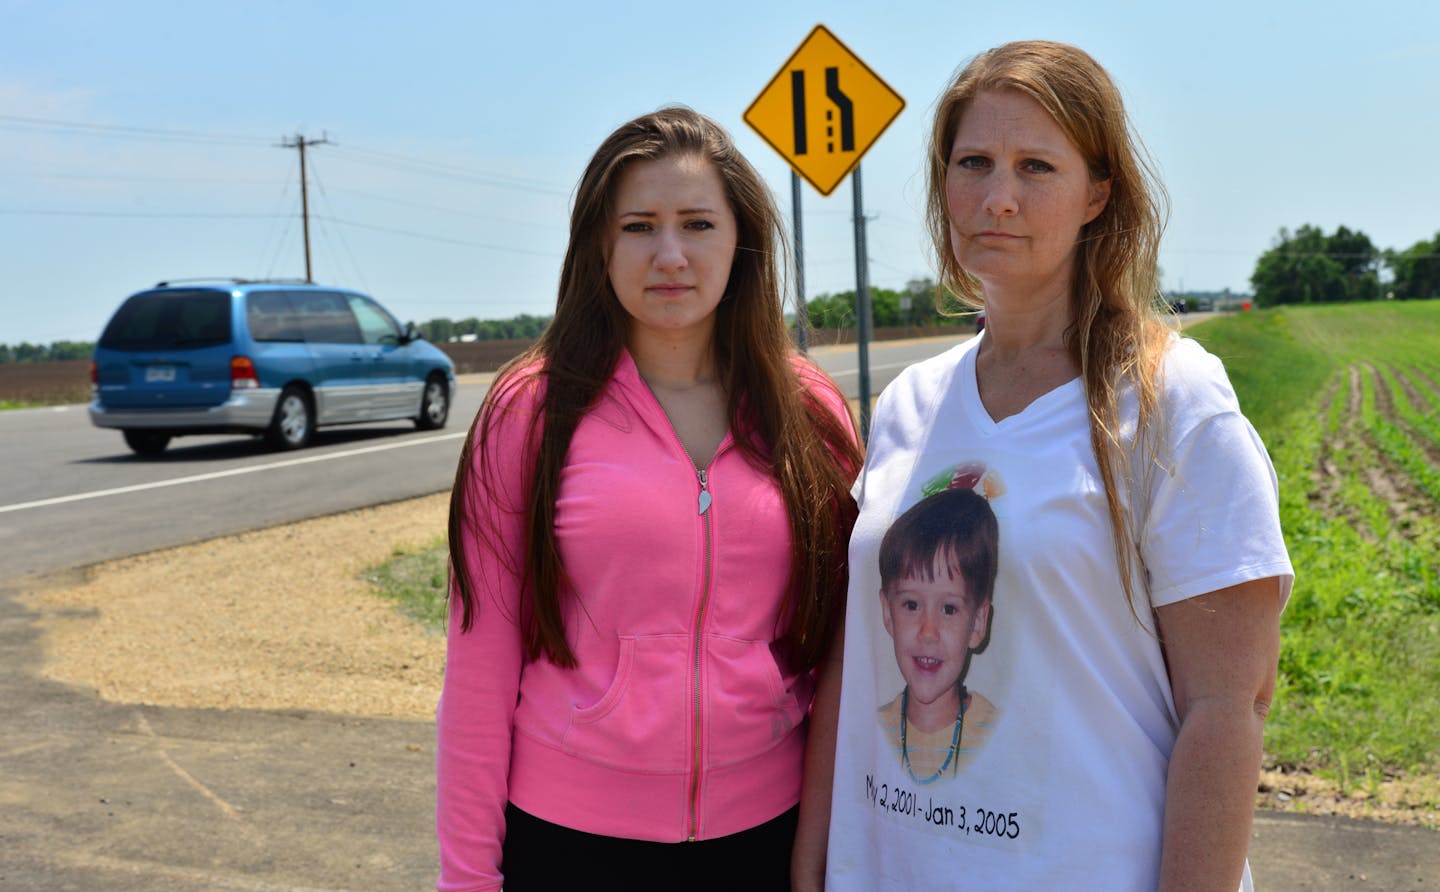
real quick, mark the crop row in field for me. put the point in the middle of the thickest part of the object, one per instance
(1346, 400)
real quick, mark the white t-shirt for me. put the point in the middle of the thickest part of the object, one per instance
(1067, 790)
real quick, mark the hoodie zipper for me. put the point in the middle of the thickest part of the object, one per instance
(704, 507)
(704, 499)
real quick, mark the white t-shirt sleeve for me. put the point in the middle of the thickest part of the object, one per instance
(1214, 518)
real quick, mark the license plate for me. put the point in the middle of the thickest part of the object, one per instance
(159, 373)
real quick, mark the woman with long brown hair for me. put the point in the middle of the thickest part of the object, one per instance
(647, 538)
(1134, 626)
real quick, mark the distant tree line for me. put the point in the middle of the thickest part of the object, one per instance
(56, 352)
(1416, 270)
(522, 326)
(1311, 266)
(888, 309)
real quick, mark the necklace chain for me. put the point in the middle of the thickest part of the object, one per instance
(904, 737)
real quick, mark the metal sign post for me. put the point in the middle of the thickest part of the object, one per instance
(862, 306)
(802, 312)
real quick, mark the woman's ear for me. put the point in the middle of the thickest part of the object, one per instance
(1099, 197)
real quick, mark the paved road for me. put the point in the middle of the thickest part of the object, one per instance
(72, 494)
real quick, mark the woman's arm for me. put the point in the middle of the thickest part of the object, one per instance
(474, 724)
(475, 718)
(1221, 649)
(807, 863)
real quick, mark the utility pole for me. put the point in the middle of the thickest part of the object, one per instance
(300, 142)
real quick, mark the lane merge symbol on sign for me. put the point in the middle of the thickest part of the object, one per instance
(823, 110)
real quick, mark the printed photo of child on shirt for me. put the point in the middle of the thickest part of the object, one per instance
(937, 580)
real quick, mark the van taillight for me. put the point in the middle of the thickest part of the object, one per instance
(242, 373)
(94, 374)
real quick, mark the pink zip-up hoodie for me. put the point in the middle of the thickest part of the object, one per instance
(678, 723)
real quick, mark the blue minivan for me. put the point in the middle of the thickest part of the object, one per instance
(268, 358)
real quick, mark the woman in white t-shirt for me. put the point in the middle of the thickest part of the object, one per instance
(1134, 625)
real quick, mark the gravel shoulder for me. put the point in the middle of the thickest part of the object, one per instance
(276, 619)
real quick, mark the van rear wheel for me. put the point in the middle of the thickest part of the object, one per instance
(294, 421)
(145, 442)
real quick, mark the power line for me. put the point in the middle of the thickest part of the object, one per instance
(133, 132)
(382, 159)
(561, 224)
(438, 238)
(279, 243)
(42, 212)
(130, 178)
(450, 172)
(344, 243)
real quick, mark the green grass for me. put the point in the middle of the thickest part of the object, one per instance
(1360, 645)
(414, 580)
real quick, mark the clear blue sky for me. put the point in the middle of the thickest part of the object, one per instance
(460, 128)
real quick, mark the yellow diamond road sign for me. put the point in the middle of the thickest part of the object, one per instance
(823, 109)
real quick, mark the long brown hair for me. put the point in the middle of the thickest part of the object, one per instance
(811, 454)
(1117, 336)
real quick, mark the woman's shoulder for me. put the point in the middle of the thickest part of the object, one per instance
(938, 370)
(513, 403)
(809, 372)
(1193, 382)
(817, 383)
(1192, 389)
(920, 383)
(520, 385)
(1189, 359)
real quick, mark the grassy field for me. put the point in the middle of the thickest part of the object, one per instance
(1347, 399)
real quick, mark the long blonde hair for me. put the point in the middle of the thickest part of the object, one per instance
(812, 455)
(1117, 336)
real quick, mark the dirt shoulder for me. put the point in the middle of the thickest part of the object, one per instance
(282, 619)
(279, 618)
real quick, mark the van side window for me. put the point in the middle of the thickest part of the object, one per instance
(325, 318)
(378, 326)
(271, 317)
(202, 323)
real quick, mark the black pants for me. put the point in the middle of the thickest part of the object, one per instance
(543, 857)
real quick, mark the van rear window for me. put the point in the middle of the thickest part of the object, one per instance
(172, 321)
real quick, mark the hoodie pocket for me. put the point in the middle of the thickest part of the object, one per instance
(752, 706)
(641, 721)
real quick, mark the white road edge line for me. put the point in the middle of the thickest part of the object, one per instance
(233, 472)
(874, 368)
